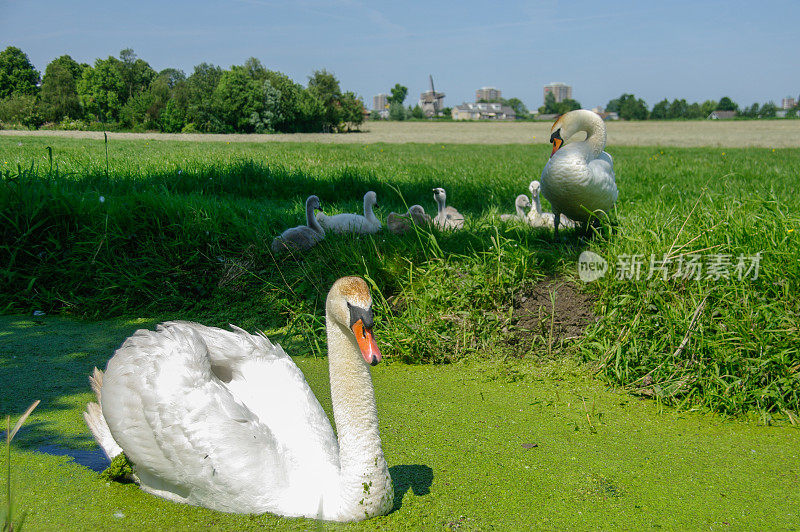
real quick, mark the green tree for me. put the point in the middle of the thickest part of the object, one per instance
(695, 111)
(136, 73)
(628, 107)
(751, 112)
(20, 109)
(325, 87)
(59, 92)
(518, 107)
(708, 107)
(567, 105)
(17, 74)
(352, 111)
(678, 109)
(310, 112)
(246, 104)
(660, 110)
(102, 90)
(550, 105)
(399, 94)
(768, 110)
(417, 112)
(201, 86)
(726, 104)
(397, 111)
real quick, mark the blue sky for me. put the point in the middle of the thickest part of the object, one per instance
(696, 50)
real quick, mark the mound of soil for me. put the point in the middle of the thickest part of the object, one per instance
(553, 311)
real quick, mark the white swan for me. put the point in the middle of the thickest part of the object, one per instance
(302, 237)
(537, 218)
(578, 180)
(401, 223)
(448, 217)
(226, 420)
(520, 204)
(353, 223)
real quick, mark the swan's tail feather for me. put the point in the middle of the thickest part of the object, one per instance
(95, 420)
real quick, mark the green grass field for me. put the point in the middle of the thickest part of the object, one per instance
(183, 231)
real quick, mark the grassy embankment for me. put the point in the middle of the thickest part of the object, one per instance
(183, 230)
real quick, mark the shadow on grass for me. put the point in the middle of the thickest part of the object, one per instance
(416, 477)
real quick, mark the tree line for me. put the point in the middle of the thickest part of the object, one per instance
(628, 107)
(126, 92)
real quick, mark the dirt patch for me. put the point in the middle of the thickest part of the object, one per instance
(550, 313)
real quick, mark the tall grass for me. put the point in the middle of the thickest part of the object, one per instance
(7, 509)
(183, 230)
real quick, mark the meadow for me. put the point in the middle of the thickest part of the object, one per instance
(161, 229)
(783, 133)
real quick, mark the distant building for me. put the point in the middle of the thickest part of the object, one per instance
(722, 115)
(380, 103)
(788, 103)
(561, 91)
(431, 102)
(483, 111)
(488, 94)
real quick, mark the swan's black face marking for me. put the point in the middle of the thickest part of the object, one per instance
(364, 314)
(556, 140)
(361, 321)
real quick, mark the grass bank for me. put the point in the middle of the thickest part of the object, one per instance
(182, 230)
(474, 445)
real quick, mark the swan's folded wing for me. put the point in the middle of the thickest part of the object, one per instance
(602, 172)
(264, 378)
(186, 434)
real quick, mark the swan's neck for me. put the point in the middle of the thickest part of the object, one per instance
(311, 220)
(365, 484)
(520, 211)
(368, 214)
(595, 129)
(537, 204)
(440, 201)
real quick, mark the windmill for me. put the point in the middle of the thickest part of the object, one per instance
(431, 102)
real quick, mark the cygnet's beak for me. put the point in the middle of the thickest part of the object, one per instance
(366, 343)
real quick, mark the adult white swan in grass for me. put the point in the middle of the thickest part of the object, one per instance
(402, 223)
(353, 223)
(520, 204)
(578, 180)
(226, 420)
(302, 237)
(536, 217)
(447, 217)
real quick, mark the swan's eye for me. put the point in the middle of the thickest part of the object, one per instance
(556, 135)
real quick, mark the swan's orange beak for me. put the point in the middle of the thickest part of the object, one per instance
(366, 342)
(557, 142)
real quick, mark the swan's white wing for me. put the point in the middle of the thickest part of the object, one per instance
(186, 434)
(602, 170)
(341, 223)
(233, 446)
(267, 381)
